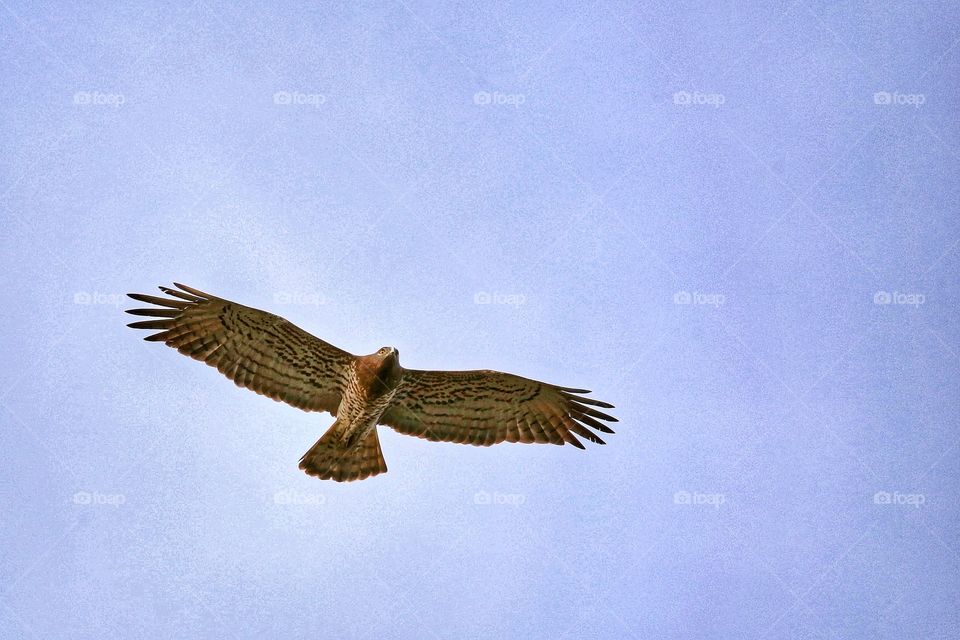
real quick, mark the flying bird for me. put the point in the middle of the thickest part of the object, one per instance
(267, 354)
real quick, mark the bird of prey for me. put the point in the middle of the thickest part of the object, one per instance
(267, 354)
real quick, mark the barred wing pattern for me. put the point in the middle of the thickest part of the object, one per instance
(257, 350)
(486, 407)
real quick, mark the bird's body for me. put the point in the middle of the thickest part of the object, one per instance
(372, 384)
(265, 353)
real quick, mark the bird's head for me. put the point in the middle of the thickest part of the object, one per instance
(381, 369)
(387, 354)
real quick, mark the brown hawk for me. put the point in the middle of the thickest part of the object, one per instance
(265, 353)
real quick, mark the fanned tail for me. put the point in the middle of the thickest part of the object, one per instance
(330, 459)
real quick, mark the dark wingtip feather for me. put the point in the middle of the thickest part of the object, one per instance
(590, 422)
(568, 437)
(590, 411)
(195, 292)
(156, 313)
(180, 294)
(150, 324)
(591, 401)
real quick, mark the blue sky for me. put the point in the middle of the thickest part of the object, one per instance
(736, 222)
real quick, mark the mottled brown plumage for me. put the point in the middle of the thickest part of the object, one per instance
(265, 353)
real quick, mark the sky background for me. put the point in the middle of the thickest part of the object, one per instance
(736, 222)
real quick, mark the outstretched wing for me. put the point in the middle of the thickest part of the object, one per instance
(487, 407)
(257, 350)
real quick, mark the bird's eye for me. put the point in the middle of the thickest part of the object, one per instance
(382, 351)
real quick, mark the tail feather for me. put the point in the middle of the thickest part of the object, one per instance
(330, 459)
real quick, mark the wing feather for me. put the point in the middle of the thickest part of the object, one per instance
(487, 407)
(257, 350)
